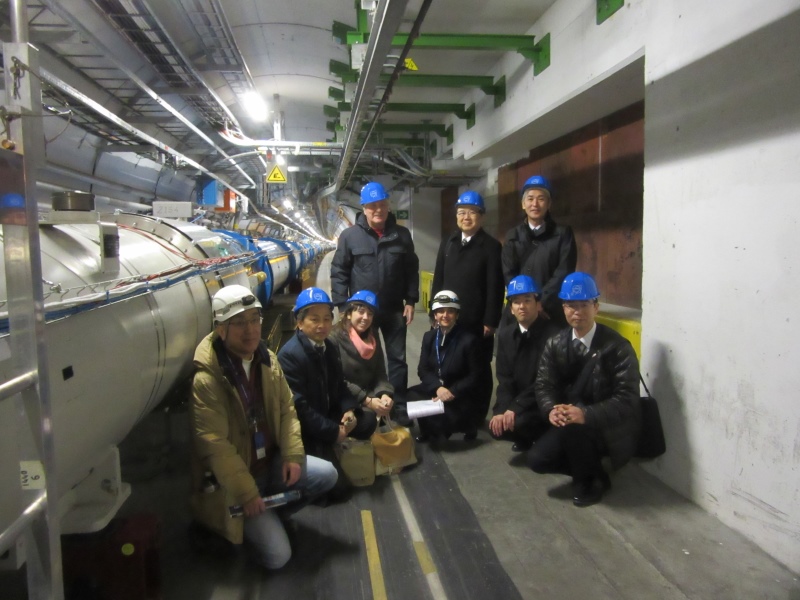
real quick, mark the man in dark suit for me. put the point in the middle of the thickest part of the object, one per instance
(587, 387)
(469, 264)
(519, 345)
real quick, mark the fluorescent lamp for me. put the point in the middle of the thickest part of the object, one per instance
(255, 106)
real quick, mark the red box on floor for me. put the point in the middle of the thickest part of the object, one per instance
(121, 562)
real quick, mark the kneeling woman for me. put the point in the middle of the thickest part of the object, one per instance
(327, 411)
(449, 365)
(362, 354)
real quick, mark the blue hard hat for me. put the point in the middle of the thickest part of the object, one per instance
(364, 297)
(537, 181)
(470, 198)
(579, 286)
(309, 296)
(522, 284)
(373, 192)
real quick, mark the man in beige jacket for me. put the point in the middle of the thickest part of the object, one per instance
(247, 440)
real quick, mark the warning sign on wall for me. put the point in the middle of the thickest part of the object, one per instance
(276, 175)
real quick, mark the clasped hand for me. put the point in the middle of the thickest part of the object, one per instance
(566, 414)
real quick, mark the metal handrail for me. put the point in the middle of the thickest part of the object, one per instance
(17, 528)
(19, 384)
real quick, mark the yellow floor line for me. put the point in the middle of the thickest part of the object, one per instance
(373, 556)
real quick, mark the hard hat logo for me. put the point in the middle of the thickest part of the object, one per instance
(578, 286)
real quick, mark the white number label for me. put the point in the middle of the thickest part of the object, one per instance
(31, 475)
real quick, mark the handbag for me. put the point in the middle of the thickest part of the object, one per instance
(394, 448)
(651, 437)
(357, 459)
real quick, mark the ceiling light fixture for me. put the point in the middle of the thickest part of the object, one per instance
(254, 105)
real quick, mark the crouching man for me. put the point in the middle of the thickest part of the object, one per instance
(588, 388)
(247, 441)
(519, 346)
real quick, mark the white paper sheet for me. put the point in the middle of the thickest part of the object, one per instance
(424, 408)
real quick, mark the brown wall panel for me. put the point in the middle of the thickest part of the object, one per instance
(597, 175)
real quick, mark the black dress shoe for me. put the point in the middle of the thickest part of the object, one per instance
(470, 435)
(422, 438)
(521, 446)
(586, 493)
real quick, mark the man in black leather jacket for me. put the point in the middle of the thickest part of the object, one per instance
(377, 254)
(588, 389)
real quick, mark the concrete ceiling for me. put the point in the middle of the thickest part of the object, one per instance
(176, 69)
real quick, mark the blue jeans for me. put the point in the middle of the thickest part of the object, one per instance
(265, 533)
(393, 327)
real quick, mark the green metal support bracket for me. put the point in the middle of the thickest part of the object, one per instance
(524, 44)
(343, 71)
(469, 115)
(541, 60)
(340, 31)
(330, 125)
(449, 135)
(498, 90)
(606, 8)
(336, 94)
(330, 111)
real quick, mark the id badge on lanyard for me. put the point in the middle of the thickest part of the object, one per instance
(260, 441)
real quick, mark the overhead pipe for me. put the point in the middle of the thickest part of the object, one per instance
(399, 67)
(388, 16)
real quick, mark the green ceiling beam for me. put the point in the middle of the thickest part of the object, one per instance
(448, 134)
(524, 44)
(336, 94)
(459, 110)
(411, 128)
(486, 83)
(343, 71)
(606, 8)
(415, 142)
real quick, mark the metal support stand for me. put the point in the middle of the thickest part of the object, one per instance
(37, 524)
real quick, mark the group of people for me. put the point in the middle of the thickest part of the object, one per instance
(567, 386)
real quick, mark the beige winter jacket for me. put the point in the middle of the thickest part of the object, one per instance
(222, 438)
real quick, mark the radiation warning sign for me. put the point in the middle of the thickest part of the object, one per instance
(276, 175)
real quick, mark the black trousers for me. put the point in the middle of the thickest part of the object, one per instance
(457, 417)
(571, 450)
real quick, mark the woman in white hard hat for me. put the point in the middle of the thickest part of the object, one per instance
(449, 366)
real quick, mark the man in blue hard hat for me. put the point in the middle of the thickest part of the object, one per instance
(377, 254)
(468, 263)
(519, 346)
(246, 433)
(587, 387)
(327, 410)
(539, 248)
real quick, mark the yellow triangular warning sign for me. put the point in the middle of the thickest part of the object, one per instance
(276, 175)
(410, 64)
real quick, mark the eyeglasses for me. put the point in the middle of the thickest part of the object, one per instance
(244, 301)
(242, 323)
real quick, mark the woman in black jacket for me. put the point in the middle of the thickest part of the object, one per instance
(449, 365)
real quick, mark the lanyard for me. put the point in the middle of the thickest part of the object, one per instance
(439, 357)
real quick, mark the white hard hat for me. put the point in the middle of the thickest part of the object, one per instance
(446, 299)
(232, 300)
